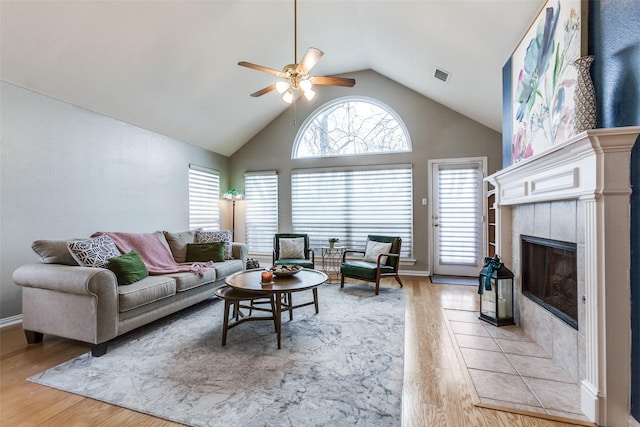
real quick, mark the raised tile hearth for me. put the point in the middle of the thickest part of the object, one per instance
(509, 370)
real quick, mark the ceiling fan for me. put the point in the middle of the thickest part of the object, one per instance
(296, 76)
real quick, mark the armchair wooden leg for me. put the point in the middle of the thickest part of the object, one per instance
(342, 280)
(399, 281)
(377, 286)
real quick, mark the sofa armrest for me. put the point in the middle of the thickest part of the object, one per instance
(240, 251)
(66, 278)
(80, 303)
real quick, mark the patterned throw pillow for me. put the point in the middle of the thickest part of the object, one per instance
(94, 252)
(225, 236)
(291, 248)
(374, 249)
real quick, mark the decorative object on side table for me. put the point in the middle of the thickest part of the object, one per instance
(584, 97)
(333, 241)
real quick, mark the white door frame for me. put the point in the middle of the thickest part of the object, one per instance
(431, 163)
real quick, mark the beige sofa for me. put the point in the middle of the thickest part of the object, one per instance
(60, 297)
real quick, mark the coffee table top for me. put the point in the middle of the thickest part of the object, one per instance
(251, 280)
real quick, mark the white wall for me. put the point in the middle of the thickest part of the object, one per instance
(68, 172)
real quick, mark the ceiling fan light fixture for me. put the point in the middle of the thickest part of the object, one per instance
(288, 96)
(309, 94)
(296, 76)
(305, 84)
(282, 87)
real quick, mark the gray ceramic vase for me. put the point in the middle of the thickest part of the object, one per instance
(584, 97)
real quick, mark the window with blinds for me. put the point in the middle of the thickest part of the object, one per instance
(458, 213)
(204, 198)
(261, 210)
(350, 204)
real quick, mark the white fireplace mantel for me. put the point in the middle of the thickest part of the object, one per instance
(594, 167)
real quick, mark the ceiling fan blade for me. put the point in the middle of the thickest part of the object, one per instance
(309, 60)
(333, 81)
(263, 91)
(261, 68)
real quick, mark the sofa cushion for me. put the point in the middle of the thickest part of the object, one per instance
(186, 281)
(178, 243)
(203, 252)
(93, 252)
(129, 268)
(53, 252)
(227, 268)
(145, 291)
(225, 236)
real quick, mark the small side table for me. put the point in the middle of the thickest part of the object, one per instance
(331, 260)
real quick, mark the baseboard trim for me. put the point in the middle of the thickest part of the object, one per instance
(418, 273)
(8, 321)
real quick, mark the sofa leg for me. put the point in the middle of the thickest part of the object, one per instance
(33, 337)
(100, 349)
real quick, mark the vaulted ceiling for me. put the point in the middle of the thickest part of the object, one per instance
(171, 66)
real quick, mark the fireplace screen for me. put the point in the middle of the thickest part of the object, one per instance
(549, 276)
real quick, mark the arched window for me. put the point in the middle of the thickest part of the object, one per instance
(351, 126)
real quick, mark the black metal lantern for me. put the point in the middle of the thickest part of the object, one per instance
(495, 286)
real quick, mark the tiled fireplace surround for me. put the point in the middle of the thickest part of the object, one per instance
(578, 192)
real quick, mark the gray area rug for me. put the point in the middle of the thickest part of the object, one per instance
(343, 366)
(450, 280)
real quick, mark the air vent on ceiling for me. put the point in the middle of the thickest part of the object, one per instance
(441, 75)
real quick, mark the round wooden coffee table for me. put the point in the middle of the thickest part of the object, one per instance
(306, 279)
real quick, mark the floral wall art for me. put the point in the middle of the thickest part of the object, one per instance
(544, 79)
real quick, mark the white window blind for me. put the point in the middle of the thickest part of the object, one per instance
(261, 214)
(204, 198)
(458, 213)
(350, 204)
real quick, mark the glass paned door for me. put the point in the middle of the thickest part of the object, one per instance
(457, 218)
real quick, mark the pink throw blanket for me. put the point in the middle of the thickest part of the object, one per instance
(155, 255)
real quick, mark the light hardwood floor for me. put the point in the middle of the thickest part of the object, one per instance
(435, 391)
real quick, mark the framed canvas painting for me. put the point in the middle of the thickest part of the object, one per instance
(544, 77)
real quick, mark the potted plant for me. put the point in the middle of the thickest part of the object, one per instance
(333, 241)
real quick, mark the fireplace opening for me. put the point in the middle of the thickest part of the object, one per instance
(549, 276)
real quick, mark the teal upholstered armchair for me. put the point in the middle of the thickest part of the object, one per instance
(291, 248)
(381, 258)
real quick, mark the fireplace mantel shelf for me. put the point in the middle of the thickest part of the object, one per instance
(570, 170)
(594, 168)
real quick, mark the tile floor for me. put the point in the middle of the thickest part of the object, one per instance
(508, 369)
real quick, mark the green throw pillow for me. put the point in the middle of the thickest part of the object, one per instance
(129, 268)
(201, 252)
